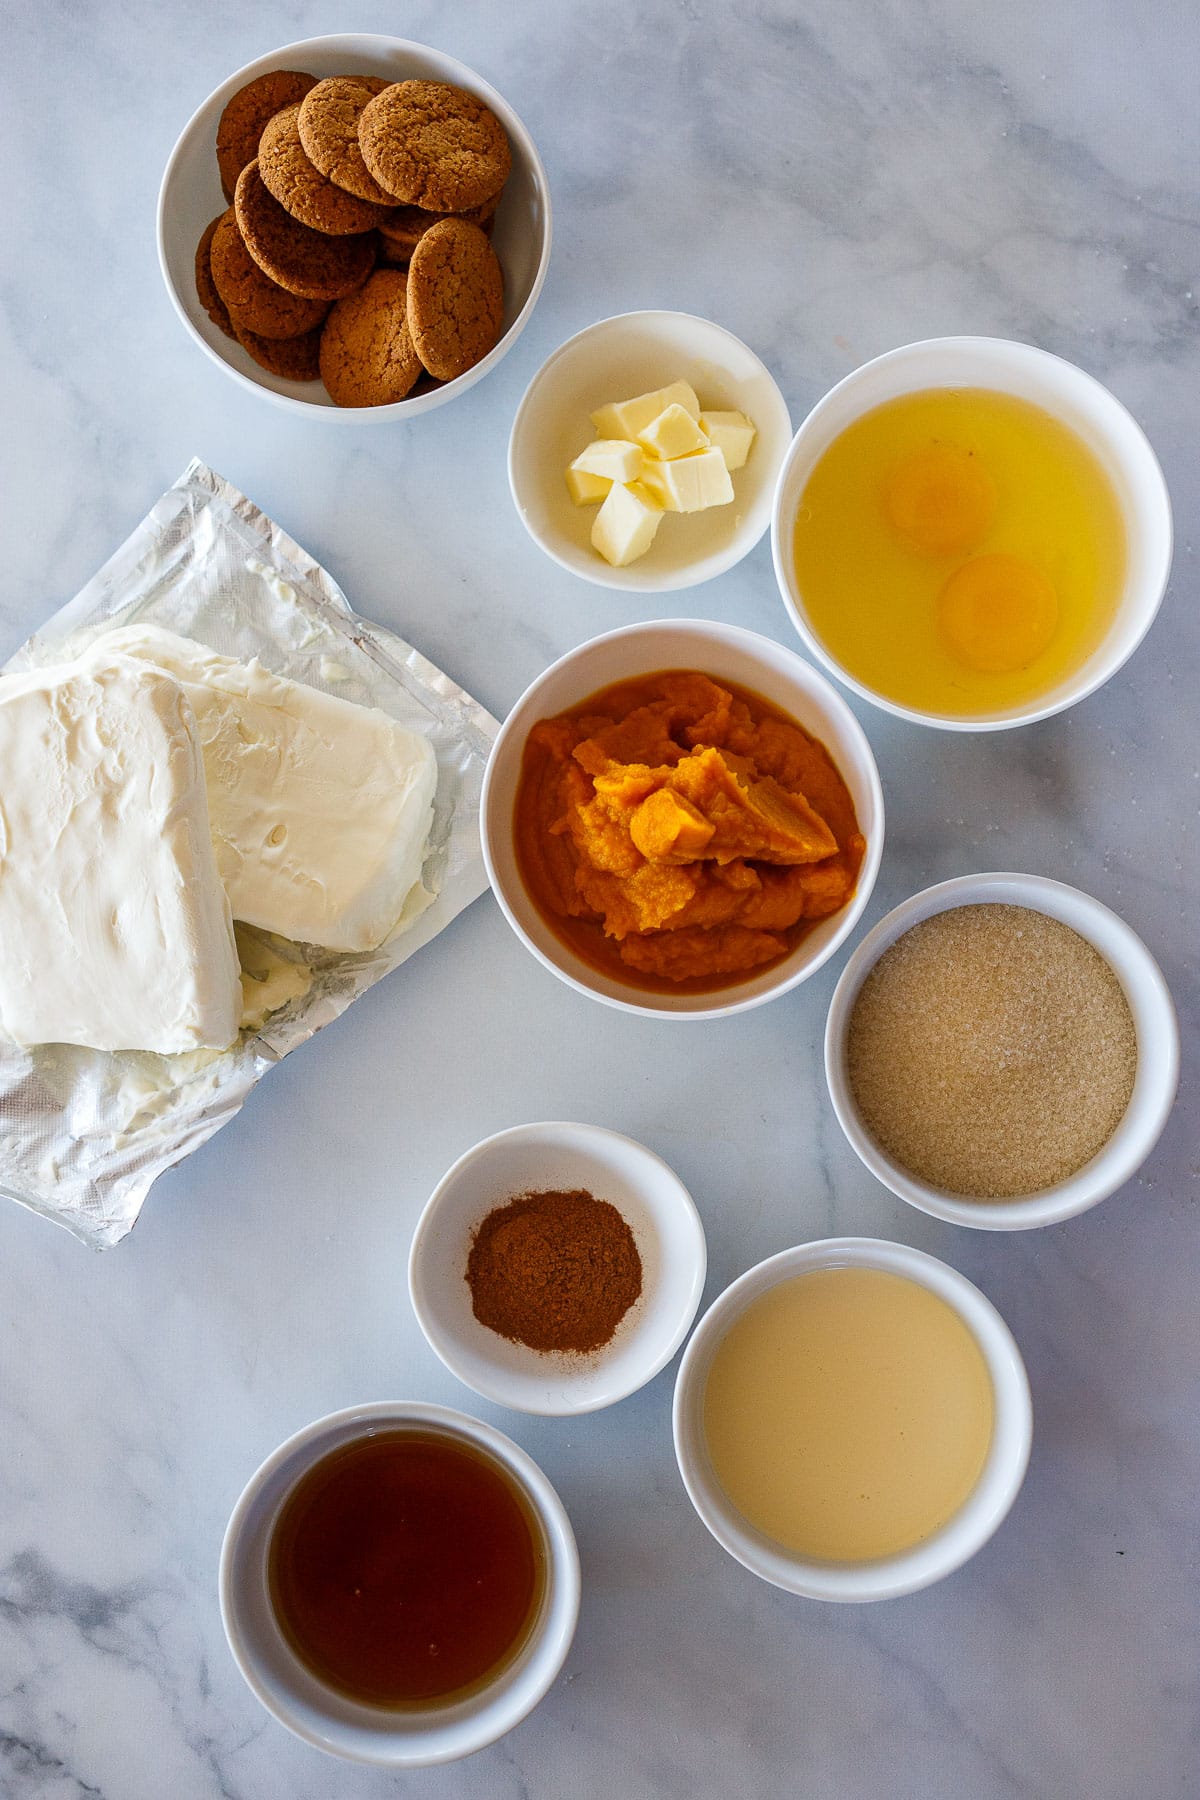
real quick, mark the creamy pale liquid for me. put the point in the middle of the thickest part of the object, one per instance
(848, 1413)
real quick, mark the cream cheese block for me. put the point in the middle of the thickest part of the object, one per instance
(115, 930)
(320, 809)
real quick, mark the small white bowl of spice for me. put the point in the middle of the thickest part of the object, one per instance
(557, 1267)
(1002, 1051)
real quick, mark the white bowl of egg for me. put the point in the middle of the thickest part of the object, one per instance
(852, 1420)
(1002, 1051)
(971, 533)
(644, 453)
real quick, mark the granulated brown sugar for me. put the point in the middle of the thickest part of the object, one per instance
(991, 1051)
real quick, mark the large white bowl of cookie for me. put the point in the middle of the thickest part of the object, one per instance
(355, 225)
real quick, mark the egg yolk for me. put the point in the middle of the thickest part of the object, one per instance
(940, 498)
(999, 613)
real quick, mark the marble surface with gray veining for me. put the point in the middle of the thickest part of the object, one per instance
(828, 180)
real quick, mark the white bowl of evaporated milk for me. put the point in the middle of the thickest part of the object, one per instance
(852, 1420)
(1002, 1051)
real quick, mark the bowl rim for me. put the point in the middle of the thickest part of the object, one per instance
(444, 1345)
(965, 1533)
(491, 1718)
(1119, 1158)
(692, 574)
(1034, 356)
(751, 642)
(513, 124)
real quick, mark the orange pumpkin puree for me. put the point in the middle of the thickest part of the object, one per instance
(678, 833)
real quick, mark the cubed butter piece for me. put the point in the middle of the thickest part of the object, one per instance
(624, 527)
(625, 418)
(690, 483)
(585, 488)
(617, 459)
(732, 433)
(673, 433)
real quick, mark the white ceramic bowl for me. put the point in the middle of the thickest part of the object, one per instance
(1059, 388)
(614, 360)
(1157, 1050)
(329, 1721)
(725, 652)
(191, 196)
(983, 1511)
(531, 1158)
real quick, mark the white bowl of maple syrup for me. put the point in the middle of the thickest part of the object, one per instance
(399, 1584)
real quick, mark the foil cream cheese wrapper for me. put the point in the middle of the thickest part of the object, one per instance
(83, 1133)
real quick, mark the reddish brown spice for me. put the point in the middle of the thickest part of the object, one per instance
(554, 1271)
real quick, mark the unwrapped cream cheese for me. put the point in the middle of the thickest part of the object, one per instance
(320, 809)
(115, 930)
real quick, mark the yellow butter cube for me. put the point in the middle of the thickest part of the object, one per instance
(624, 527)
(690, 483)
(625, 418)
(732, 433)
(617, 459)
(585, 488)
(673, 433)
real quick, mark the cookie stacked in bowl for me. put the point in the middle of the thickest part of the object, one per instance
(356, 247)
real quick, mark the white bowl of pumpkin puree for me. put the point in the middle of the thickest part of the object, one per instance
(682, 819)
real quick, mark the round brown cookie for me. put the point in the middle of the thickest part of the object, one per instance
(400, 234)
(206, 287)
(296, 359)
(241, 124)
(367, 355)
(302, 261)
(328, 126)
(434, 145)
(302, 190)
(256, 303)
(455, 298)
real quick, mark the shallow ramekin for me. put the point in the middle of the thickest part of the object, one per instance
(984, 1510)
(1154, 1018)
(614, 359)
(1072, 396)
(390, 1738)
(190, 196)
(559, 1157)
(726, 652)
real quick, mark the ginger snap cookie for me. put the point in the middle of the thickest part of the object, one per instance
(455, 298)
(433, 145)
(400, 234)
(305, 262)
(241, 124)
(367, 354)
(206, 287)
(254, 302)
(296, 359)
(302, 190)
(328, 126)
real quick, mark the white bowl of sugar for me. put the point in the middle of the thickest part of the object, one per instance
(995, 1069)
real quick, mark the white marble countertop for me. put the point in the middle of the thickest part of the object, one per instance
(828, 180)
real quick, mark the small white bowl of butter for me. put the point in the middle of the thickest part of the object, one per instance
(852, 1419)
(607, 365)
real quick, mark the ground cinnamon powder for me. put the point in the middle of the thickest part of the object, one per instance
(554, 1271)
